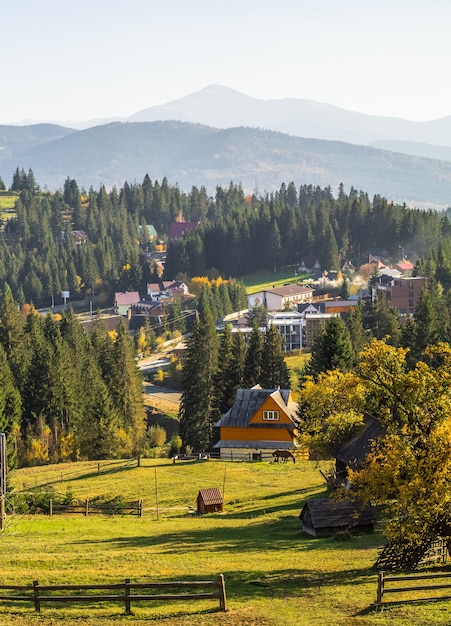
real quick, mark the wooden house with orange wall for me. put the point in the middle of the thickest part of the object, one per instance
(259, 419)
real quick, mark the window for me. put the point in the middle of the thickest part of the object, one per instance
(270, 416)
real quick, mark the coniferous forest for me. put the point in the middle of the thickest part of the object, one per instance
(237, 234)
(67, 395)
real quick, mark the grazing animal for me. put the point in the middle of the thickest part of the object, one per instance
(284, 455)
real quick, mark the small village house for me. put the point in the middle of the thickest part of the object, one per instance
(124, 300)
(259, 419)
(177, 230)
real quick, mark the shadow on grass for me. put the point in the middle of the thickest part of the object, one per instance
(265, 535)
(250, 513)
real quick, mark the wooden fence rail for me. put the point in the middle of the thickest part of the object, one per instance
(38, 594)
(85, 507)
(408, 588)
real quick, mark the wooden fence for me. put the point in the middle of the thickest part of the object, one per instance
(125, 593)
(407, 588)
(85, 507)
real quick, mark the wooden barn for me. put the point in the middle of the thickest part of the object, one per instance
(353, 453)
(325, 517)
(210, 500)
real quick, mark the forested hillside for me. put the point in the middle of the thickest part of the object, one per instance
(195, 154)
(69, 395)
(65, 394)
(237, 234)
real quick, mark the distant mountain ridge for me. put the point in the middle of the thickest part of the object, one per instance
(218, 135)
(194, 154)
(222, 107)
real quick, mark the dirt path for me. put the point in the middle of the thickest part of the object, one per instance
(160, 398)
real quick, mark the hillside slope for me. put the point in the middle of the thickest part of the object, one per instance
(192, 154)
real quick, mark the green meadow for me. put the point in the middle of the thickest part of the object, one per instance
(265, 279)
(275, 574)
(8, 201)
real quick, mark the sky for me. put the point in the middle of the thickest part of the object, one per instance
(96, 59)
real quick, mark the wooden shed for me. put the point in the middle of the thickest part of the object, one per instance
(353, 453)
(325, 517)
(210, 500)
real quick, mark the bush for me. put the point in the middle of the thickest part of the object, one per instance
(175, 443)
(37, 500)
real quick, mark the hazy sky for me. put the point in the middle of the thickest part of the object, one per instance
(89, 59)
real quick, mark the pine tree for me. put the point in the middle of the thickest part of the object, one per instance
(10, 407)
(253, 358)
(384, 321)
(358, 335)
(274, 370)
(199, 366)
(126, 390)
(221, 380)
(427, 318)
(13, 338)
(332, 349)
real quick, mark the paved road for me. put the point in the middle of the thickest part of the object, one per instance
(152, 364)
(169, 395)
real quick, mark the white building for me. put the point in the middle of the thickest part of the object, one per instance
(280, 298)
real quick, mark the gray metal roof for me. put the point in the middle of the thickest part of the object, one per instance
(248, 401)
(327, 513)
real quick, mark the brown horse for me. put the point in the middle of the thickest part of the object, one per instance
(284, 455)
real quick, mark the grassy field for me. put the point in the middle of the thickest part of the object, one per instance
(295, 363)
(8, 201)
(275, 574)
(266, 279)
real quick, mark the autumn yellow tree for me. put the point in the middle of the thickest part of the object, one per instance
(408, 472)
(331, 411)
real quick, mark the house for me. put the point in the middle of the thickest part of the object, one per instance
(347, 267)
(313, 324)
(210, 500)
(402, 292)
(175, 289)
(124, 300)
(353, 453)
(324, 517)
(259, 419)
(405, 267)
(289, 324)
(280, 298)
(148, 233)
(339, 306)
(177, 230)
(79, 237)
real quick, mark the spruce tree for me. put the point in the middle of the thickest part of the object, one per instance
(427, 318)
(253, 358)
(358, 335)
(332, 349)
(127, 391)
(274, 370)
(13, 338)
(199, 366)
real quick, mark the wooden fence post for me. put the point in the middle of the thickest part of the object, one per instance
(222, 591)
(140, 507)
(37, 604)
(86, 508)
(380, 589)
(2, 513)
(51, 507)
(127, 596)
